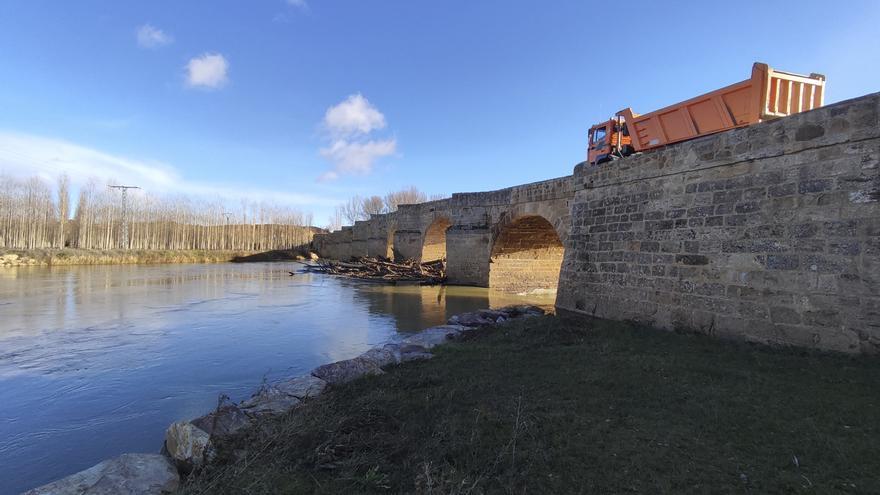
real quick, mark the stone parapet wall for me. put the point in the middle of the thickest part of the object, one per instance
(769, 233)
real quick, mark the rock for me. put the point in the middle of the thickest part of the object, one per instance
(346, 371)
(269, 400)
(128, 474)
(302, 387)
(187, 445)
(299, 257)
(226, 420)
(281, 397)
(470, 320)
(383, 356)
(314, 256)
(492, 314)
(522, 310)
(434, 336)
(487, 317)
(412, 352)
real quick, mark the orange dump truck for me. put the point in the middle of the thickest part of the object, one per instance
(767, 95)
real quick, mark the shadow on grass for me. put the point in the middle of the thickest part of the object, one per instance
(551, 406)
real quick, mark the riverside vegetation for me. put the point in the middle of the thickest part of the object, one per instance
(70, 256)
(546, 405)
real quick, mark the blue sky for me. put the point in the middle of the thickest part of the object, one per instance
(308, 102)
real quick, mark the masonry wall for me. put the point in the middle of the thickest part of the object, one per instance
(769, 233)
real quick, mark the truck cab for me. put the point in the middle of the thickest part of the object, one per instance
(609, 140)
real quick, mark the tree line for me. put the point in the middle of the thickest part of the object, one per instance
(360, 208)
(34, 214)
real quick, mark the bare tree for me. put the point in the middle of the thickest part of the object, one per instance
(372, 206)
(31, 218)
(352, 210)
(335, 222)
(408, 196)
(358, 208)
(63, 208)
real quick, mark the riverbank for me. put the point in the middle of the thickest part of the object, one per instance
(546, 406)
(70, 256)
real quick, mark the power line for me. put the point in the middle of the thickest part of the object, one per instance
(124, 190)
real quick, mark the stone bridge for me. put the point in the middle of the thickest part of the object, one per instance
(769, 233)
(511, 239)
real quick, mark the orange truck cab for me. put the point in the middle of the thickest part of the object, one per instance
(609, 140)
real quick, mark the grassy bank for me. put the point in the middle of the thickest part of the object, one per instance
(543, 406)
(68, 256)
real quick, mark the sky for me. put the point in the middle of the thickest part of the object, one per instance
(309, 102)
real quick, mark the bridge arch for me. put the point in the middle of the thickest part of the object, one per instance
(526, 256)
(434, 240)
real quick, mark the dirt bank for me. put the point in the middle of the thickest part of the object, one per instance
(54, 257)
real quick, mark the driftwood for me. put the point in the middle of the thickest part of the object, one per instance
(384, 270)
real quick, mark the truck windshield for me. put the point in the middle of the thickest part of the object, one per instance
(599, 135)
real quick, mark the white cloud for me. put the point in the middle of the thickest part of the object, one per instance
(298, 3)
(207, 71)
(25, 155)
(355, 158)
(353, 149)
(152, 37)
(354, 115)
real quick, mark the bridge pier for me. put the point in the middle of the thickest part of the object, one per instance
(407, 245)
(467, 256)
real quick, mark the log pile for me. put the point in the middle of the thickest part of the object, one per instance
(384, 270)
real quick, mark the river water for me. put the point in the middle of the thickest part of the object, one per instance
(96, 361)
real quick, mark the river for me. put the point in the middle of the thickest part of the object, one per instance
(96, 361)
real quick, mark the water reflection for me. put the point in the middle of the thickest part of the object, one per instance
(97, 361)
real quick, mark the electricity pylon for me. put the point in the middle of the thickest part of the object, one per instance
(124, 190)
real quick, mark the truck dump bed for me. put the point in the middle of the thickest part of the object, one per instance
(768, 94)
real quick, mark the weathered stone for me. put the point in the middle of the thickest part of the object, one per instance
(413, 352)
(807, 132)
(302, 387)
(782, 262)
(187, 445)
(474, 319)
(692, 259)
(128, 474)
(281, 397)
(228, 419)
(269, 400)
(383, 356)
(347, 370)
(434, 336)
(522, 310)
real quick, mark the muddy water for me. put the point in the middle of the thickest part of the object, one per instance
(96, 361)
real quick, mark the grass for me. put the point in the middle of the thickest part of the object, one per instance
(546, 406)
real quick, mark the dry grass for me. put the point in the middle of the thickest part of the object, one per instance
(70, 256)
